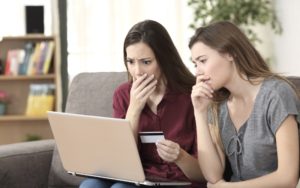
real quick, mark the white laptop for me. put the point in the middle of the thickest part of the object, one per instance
(99, 147)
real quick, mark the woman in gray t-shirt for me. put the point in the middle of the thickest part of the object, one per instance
(243, 112)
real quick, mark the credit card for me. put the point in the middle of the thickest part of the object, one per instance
(151, 137)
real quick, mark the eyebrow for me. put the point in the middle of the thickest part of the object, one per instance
(145, 58)
(198, 58)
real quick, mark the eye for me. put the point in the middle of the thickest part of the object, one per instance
(146, 62)
(203, 61)
(129, 61)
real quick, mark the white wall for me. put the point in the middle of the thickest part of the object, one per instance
(283, 49)
(286, 49)
(96, 30)
(12, 16)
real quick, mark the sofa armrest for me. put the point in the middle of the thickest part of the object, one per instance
(25, 164)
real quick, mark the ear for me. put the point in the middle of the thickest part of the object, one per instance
(229, 57)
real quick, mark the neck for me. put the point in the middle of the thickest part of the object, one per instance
(243, 90)
(159, 92)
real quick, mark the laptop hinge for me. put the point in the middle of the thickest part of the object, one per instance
(72, 173)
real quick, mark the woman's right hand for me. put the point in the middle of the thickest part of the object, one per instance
(202, 93)
(140, 91)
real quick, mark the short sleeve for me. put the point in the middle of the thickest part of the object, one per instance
(283, 102)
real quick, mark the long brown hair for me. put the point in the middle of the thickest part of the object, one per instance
(226, 38)
(152, 33)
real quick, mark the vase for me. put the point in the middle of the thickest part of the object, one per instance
(2, 109)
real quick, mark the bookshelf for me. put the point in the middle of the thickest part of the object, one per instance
(15, 125)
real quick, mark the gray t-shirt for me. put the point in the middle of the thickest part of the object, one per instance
(252, 150)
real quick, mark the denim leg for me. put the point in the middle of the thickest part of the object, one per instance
(95, 183)
(123, 185)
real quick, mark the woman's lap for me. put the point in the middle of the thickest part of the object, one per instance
(99, 183)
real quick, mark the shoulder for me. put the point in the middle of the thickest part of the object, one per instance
(123, 90)
(124, 87)
(277, 84)
(277, 88)
(280, 97)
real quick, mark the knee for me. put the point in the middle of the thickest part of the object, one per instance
(123, 185)
(91, 183)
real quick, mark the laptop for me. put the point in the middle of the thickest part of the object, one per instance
(100, 147)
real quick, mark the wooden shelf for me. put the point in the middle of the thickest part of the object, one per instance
(15, 125)
(26, 77)
(28, 37)
(22, 118)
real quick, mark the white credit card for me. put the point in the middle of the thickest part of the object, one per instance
(151, 137)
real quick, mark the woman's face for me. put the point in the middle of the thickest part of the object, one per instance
(140, 60)
(219, 67)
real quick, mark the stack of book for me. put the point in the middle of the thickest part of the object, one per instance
(40, 99)
(34, 59)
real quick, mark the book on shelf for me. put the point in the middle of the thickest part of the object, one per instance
(29, 46)
(48, 57)
(34, 59)
(40, 99)
(13, 61)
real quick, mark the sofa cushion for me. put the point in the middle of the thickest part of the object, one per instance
(25, 164)
(90, 94)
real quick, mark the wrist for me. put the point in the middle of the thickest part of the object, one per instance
(180, 157)
(133, 112)
(202, 114)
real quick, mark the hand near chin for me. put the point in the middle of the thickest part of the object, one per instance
(140, 91)
(219, 184)
(202, 93)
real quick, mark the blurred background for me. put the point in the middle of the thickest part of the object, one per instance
(96, 30)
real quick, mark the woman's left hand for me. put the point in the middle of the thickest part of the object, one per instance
(219, 184)
(169, 151)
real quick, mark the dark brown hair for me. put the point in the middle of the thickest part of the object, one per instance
(152, 33)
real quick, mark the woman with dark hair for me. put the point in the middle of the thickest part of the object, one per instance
(243, 112)
(157, 98)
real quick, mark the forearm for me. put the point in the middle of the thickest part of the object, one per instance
(272, 180)
(189, 166)
(208, 157)
(133, 116)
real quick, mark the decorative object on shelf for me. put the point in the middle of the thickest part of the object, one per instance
(245, 14)
(3, 102)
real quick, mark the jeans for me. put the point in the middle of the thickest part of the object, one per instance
(99, 183)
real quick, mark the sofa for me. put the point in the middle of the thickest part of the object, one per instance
(37, 164)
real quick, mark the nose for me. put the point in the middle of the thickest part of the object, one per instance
(138, 69)
(199, 70)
